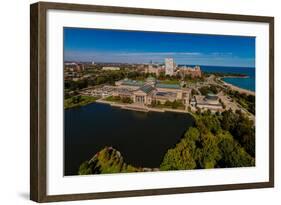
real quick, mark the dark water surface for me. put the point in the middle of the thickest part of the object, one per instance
(142, 138)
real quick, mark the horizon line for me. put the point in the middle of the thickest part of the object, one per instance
(97, 62)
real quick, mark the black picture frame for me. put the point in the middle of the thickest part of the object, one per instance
(38, 103)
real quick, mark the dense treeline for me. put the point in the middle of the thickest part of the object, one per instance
(246, 101)
(75, 85)
(217, 140)
(193, 79)
(241, 128)
(209, 89)
(77, 101)
(105, 77)
(108, 77)
(168, 104)
(126, 100)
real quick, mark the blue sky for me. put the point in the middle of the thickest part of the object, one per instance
(142, 47)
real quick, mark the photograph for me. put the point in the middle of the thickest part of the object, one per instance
(148, 101)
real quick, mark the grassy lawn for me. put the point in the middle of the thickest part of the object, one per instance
(170, 105)
(125, 100)
(77, 101)
(113, 99)
(170, 81)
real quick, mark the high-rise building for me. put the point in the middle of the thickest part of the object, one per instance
(192, 71)
(169, 66)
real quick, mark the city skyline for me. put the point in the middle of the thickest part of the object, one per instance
(121, 46)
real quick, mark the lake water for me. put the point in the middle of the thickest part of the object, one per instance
(142, 138)
(246, 83)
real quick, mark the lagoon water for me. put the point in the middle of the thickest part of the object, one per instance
(142, 138)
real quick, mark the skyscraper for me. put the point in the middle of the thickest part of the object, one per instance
(169, 66)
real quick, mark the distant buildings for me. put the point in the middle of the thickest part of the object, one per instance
(74, 67)
(191, 71)
(154, 69)
(169, 66)
(171, 69)
(73, 71)
(110, 68)
(104, 91)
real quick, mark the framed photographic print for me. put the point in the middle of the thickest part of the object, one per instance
(134, 102)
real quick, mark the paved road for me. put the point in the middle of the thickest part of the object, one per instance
(233, 105)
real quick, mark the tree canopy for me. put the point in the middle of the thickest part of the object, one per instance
(217, 140)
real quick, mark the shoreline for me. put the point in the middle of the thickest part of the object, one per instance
(233, 76)
(87, 100)
(141, 108)
(236, 88)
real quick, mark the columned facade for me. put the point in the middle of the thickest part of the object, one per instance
(140, 99)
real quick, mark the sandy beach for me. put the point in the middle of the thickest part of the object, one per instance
(234, 76)
(241, 90)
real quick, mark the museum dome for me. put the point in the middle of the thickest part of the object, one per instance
(211, 96)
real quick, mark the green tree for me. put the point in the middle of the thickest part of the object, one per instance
(153, 103)
(233, 155)
(208, 152)
(127, 100)
(84, 169)
(181, 157)
(178, 158)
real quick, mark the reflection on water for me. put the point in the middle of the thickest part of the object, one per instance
(142, 138)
